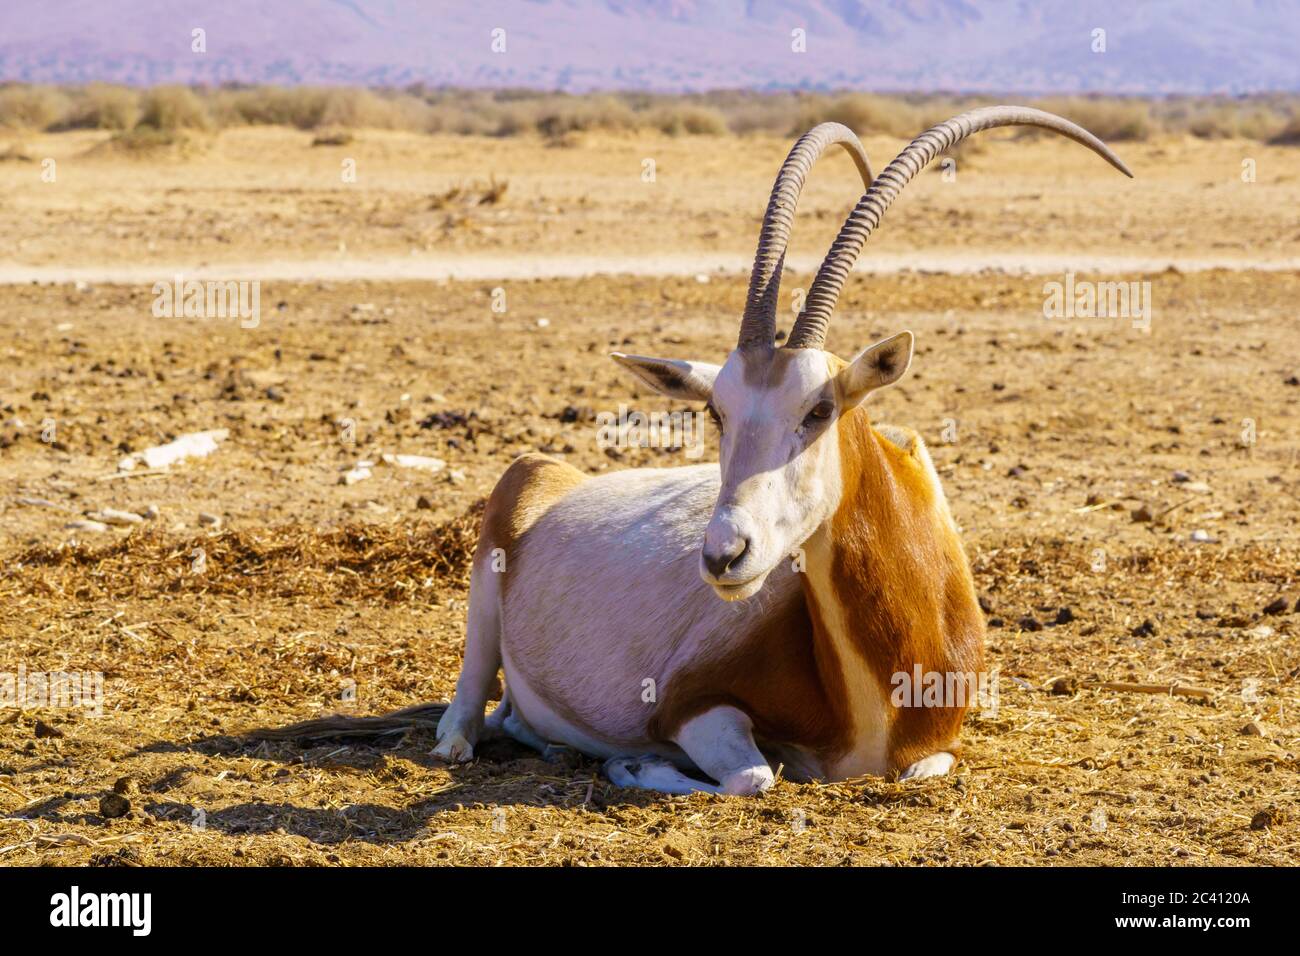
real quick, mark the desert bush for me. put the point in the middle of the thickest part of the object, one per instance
(1114, 120)
(1288, 135)
(559, 116)
(172, 108)
(687, 119)
(864, 113)
(32, 107)
(299, 107)
(101, 106)
(1260, 123)
(361, 109)
(339, 137)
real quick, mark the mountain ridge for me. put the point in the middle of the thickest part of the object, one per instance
(1162, 46)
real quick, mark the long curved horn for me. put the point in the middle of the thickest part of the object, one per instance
(810, 328)
(759, 324)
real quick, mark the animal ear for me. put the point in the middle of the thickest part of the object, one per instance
(882, 364)
(689, 381)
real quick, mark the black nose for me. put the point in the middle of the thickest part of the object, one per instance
(720, 561)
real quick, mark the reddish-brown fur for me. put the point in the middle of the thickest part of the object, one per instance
(785, 676)
(901, 577)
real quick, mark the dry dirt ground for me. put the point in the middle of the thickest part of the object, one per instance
(313, 596)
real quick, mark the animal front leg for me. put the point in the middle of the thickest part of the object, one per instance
(720, 742)
(654, 773)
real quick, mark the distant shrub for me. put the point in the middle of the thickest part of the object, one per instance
(361, 109)
(101, 106)
(864, 113)
(300, 107)
(173, 108)
(32, 107)
(1288, 135)
(340, 137)
(687, 119)
(1114, 120)
(561, 118)
(152, 144)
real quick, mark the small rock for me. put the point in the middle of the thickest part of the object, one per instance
(1268, 817)
(1204, 614)
(114, 805)
(1028, 623)
(996, 622)
(417, 462)
(985, 604)
(1064, 616)
(42, 730)
(114, 516)
(1181, 477)
(151, 513)
(456, 476)
(1293, 380)
(423, 503)
(127, 786)
(1254, 729)
(1146, 629)
(354, 475)
(674, 846)
(1064, 686)
(83, 524)
(209, 520)
(1142, 513)
(1201, 536)
(1016, 471)
(37, 502)
(1278, 605)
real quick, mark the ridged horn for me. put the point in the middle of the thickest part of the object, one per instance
(758, 327)
(810, 328)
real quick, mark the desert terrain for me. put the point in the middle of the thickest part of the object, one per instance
(1127, 490)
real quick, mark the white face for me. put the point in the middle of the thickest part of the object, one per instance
(780, 464)
(780, 458)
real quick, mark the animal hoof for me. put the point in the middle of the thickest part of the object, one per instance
(749, 782)
(622, 771)
(935, 765)
(454, 749)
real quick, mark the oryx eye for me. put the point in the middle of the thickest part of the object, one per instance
(819, 413)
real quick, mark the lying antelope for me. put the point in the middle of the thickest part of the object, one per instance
(654, 617)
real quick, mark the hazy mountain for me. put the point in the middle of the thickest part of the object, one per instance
(1003, 45)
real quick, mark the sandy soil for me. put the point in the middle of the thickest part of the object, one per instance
(314, 596)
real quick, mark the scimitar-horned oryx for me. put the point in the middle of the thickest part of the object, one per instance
(655, 618)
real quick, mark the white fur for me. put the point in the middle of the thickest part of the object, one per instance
(935, 765)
